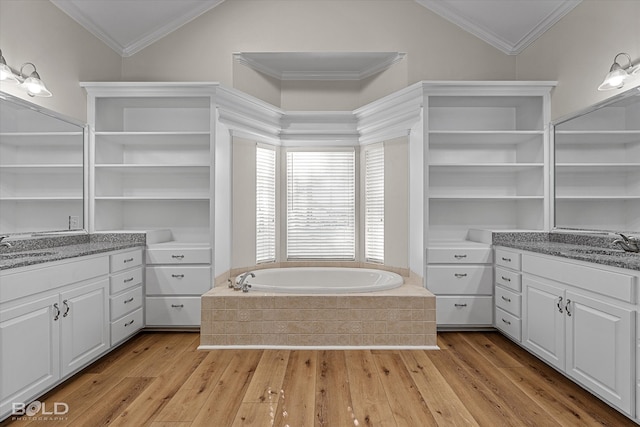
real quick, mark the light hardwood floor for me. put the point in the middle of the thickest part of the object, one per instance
(161, 379)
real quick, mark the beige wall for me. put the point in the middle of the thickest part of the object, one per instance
(579, 50)
(63, 52)
(396, 202)
(243, 251)
(436, 49)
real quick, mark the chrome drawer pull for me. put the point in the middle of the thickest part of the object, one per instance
(177, 276)
(506, 259)
(127, 301)
(506, 279)
(128, 280)
(505, 298)
(128, 260)
(66, 312)
(566, 307)
(177, 305)
(130, 322)
(460, 275)
(559, 305)
(57, 315)
(177, 256)
(459, 256)
(506, 321)
(459, 305)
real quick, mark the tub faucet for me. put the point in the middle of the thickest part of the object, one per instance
(4, 244)
(241, 284)
(629, 244)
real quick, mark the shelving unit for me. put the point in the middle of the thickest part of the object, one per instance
(41, 170)
(597, 168)
(486, 161)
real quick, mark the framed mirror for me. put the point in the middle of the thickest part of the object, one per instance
(41, 169)
(597, 166)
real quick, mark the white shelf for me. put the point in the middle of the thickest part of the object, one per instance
(597, 137)
(153, 168)
(39, 198)
(157, 198)
(509, 137)
(486, 167)
(436, 197)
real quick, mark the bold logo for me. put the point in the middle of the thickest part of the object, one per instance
(39, 409)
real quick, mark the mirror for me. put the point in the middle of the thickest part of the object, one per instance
(597, 166)
(41, 169)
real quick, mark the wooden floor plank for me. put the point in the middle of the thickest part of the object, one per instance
(370, 404)
(408, 406)
(481, 378)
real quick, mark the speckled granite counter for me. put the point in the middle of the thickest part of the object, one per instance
(31, 251)
(595, 248)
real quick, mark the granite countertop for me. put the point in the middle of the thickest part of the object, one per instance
(26, 252)
(598, 249)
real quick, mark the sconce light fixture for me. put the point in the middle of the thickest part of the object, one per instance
(618, 74)
(32, 84)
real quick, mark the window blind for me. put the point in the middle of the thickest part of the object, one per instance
(374, 205)
(321, 205)
(265, 205)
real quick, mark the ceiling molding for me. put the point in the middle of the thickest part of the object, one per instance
(319, 65)
(130, 47)
(508, 46)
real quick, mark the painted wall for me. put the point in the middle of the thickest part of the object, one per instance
(579, 50)
(62, 50)
(202, 50)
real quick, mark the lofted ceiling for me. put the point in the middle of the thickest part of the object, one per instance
(128, 26)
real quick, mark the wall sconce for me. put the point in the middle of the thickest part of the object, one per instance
(32, 84)
(618, 74)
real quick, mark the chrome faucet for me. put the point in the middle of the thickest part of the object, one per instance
(629, 244)
(4, 244)
(241, 284)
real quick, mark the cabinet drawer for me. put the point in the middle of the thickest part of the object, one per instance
(173, 311)
(460, 279)
(472, 311)
(509, 279)
(508, 301)
(178, 255)
(125, 280)
(459, 256)
(509, 324)
(179, 280)
(508, 259)
(126, 326)
(126, 302)
(125, 260)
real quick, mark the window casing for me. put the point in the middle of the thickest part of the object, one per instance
(321, 204)
(374, 204)
(265, 205)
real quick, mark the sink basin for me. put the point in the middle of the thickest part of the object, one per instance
(14, 255)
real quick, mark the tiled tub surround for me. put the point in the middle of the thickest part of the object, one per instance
(40, 249)
(403, 317)
(582, 246)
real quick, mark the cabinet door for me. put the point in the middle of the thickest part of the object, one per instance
(29, 351)
(543, 321)
(85, 324)
(600, 340)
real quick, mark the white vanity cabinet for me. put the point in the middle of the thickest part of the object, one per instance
(54, 319)
(581, 319)
(461, 276)
(507, 292)
(126, 294)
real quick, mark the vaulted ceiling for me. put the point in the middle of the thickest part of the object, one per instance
(128, 26)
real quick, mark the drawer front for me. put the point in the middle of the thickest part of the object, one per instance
(458, 311)
(125, 260)
(508, 301)
(173, 311)
(126, 302)
(509, 279)
(459, 256)
(125, 280)
(179, 256)
(460, 279)
(509, 324)
(508, 259)
(182, 280)
(126, 326)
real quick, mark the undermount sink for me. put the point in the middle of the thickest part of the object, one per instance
(14, 255)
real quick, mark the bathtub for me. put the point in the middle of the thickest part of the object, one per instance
(323, 280)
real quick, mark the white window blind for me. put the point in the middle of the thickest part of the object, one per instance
(321, 205)
(265, 205)
(374, 205)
